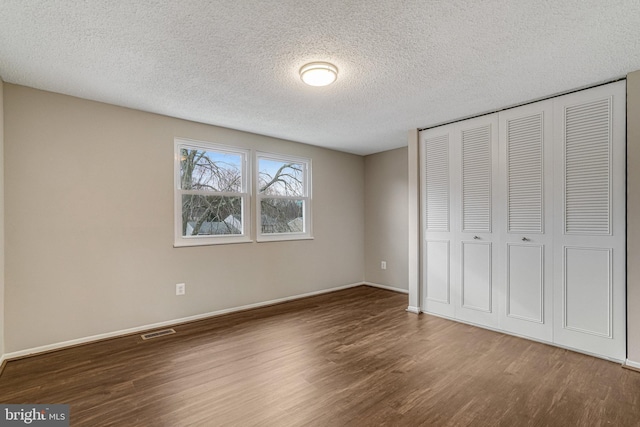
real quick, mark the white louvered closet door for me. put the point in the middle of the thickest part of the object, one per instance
(477, 260)
(435, 169)
(590, 209)
(526, 160)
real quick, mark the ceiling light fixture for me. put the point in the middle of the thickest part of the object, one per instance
(319, 73)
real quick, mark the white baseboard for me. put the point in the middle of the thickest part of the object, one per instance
(389, 288)
(632, 364)
(414, 310)
(173, 322)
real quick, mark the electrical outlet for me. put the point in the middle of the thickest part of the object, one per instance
(383, 265)
(181, 288)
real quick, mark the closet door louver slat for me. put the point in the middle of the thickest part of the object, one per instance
(524, 174)
(476, 179)
(588, 168)
(437, 183)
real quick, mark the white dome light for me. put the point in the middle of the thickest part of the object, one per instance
(319, 73)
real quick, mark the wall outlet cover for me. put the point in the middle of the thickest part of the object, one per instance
(181, 288)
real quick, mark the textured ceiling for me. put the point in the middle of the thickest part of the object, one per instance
(403, 64)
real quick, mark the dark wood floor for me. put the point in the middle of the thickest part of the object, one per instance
(353, 357)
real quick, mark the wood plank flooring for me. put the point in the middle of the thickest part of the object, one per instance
(349, 358)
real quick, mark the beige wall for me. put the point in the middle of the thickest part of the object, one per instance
(386, 183)
(89, 209)
(1, 218)
(633, 217)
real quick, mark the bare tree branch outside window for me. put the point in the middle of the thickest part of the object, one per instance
(283, 212)
(214, 172)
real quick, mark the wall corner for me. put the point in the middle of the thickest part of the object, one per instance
(414, 221)
(633, 218)
(2, 275)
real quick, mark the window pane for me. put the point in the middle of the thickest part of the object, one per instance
(277, 178)
(210, 170)
(211, 215)
(282, 216)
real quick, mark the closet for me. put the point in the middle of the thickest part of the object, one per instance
(523, 220)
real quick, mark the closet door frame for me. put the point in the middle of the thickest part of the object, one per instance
(589, 318)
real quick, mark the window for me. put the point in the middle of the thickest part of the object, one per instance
(283, 197)
(211, 194)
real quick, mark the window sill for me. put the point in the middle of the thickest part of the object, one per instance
(282, 238)
(185, 243)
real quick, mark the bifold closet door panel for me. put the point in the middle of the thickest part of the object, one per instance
(437, 233)
(475, 245)
(458, 196)
(526, 183)
(590, 206)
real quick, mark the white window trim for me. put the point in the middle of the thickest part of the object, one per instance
(186, 241)
(308, 229)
